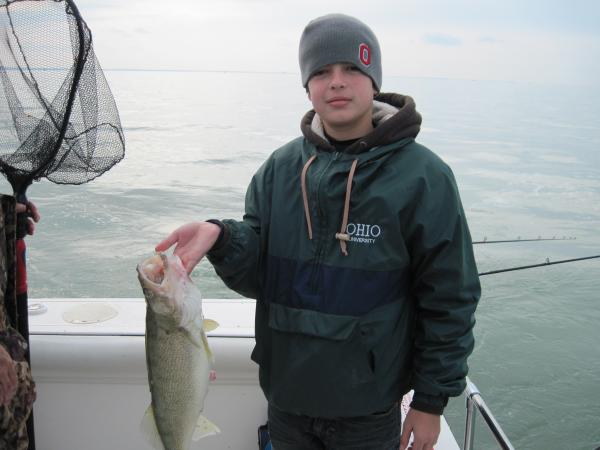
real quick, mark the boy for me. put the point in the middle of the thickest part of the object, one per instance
(356, 247)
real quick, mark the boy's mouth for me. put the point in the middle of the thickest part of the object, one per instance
(338, 101)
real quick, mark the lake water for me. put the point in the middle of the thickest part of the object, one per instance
(527, 160)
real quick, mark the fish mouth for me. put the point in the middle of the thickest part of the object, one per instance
(153, 269)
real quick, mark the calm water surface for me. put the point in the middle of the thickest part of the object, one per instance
(527, 160)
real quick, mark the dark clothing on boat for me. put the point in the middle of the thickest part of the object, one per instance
(13, 417)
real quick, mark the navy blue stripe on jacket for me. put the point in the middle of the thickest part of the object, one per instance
(331, 290)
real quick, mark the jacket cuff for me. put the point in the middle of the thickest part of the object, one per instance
(223, 238)
(432, 404)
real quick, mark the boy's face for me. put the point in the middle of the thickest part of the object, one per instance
(343, 97)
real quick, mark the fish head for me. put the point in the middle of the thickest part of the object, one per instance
(157, 291)
(170, 292)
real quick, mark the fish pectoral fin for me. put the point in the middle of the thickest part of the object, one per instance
(209, 325)
(196, 331)
(149, 430)
(195, 337)
(204, 427)
(207, 349)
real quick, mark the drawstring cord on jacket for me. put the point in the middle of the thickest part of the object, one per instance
(305, 196)
(342, 236)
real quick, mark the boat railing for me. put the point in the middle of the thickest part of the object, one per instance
(476, 405)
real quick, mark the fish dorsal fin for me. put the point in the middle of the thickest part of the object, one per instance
(149, 430)
(209, 325)
(204, 427)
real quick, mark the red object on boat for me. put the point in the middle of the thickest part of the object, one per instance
(21, 267)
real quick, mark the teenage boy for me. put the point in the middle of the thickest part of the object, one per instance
(355, 245)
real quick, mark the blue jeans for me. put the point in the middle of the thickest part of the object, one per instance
(379, 431)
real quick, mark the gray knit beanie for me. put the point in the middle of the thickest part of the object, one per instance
(337, 38)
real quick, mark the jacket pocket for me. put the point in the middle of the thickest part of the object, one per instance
(318, 349)
(311, 323)
(326, 365)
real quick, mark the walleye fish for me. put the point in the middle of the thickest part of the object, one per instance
(178, 357)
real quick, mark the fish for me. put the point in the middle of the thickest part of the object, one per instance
(178, 357)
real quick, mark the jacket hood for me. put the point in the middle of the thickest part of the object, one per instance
(394, 115)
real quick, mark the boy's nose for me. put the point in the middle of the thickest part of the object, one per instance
(338, 78)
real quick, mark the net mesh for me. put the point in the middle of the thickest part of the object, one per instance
(58, 117)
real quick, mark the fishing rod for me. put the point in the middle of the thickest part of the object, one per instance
(502, 241)
(547, 263)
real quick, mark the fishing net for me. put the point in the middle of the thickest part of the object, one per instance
(58, 120)
(58, 117)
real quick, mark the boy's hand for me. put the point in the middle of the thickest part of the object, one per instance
(193, 240)
(424, 427)
(8, 378)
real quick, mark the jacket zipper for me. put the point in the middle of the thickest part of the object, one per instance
(323, 223)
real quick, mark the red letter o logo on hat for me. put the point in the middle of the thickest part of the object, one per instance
(364, 53)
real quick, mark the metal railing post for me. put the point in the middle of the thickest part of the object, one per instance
(471, 411)
(475, 404)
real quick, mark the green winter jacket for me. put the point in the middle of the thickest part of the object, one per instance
(362, 266)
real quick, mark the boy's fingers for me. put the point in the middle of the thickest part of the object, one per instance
(404, 438)
(188, 262)
(189, 266)
(167, 243)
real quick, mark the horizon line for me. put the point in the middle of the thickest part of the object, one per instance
(267, 72)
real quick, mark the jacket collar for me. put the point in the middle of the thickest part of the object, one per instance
(394, 115)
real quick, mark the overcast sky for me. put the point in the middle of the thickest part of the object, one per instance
(552, 41)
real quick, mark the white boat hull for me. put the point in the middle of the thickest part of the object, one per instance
(92, 386)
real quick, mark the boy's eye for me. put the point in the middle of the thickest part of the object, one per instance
(320, 72)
